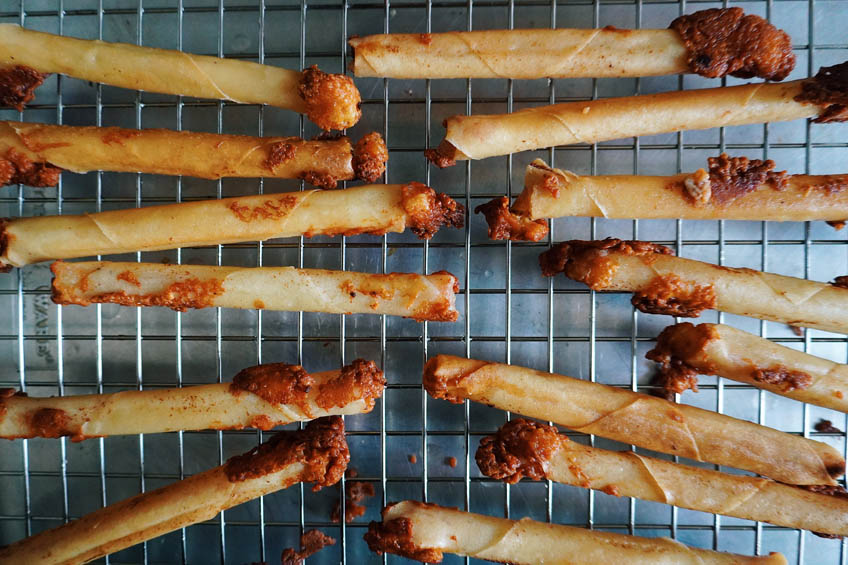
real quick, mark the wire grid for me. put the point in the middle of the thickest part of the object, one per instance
(510, 313)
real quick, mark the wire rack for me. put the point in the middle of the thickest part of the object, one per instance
(509, 312)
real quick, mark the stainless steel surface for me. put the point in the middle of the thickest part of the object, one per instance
(509, 311)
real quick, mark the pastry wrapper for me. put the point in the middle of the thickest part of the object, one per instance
(481, 136)
(435, 529)
(222, 406)
(554, 193)
(422, 297)
(319, 453)
(521, 54)
(633, 418)
(169, 152)
(626, 473)
(719, 349)
(372, 209)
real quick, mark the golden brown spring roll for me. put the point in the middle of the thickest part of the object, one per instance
(522, 448)
(27, 56)
(634, 418)
(180, 287)
(733, 188)
(424, 532)
(712, 43)
(685, 350)
(31, 152)
(478, 137)
(665, 284)
(263, 397)
(372, 209)
(316, 454)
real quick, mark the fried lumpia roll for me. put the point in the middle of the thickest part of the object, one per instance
(263, 397)
(733, 188)
(27, 56)
(372, 209)
(478, 137)
(684, 351)
(180, 287)
(712, 43)
(522, 448)
(29, 150)
(424, 532)
(317, 454)
(665, 284)
(634, 418)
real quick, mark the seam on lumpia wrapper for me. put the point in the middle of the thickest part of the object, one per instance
(154, 70)
(642, 420)
(481, 136)
(427, 297)
(528, 542)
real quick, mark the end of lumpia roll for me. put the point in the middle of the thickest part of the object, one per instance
(520, 448)
(675, 345)
(427, 210)
(18, 84)
(332, 100)
(69, 286)
(587, 261)
(504, 223)
(725, 41)
(370, 156)
(446, 377)
(320, 447)
(17, 168)
(829, 90)
(446, 154)
(394, 534)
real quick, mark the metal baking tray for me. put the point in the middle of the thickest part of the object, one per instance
(509, 311)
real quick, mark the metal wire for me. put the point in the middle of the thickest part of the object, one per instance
(237, 536)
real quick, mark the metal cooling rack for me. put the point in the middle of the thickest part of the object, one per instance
(510, 312)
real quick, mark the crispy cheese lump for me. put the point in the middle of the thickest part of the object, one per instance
(332, 100)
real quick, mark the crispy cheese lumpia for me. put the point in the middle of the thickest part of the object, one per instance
(371, 209)
(317, 454)
(31, 152)
(685, 350)
(522, 448)
(712, 43)
(665, 284)
(263, 397)
(331, 101)
(424, 532)
(481, 136)
(180, 287)
(732, 188)
(634, 418)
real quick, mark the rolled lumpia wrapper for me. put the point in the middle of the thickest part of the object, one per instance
(317, 454)
(260, 397)
(665, 284)
(169, 152)
(154, 70)
(373, 209)
(522, 448)
(718, 349)
(422, 297)
(553, 193)
(481, 136)
(521, 54)
(634, 418)
(424, 531)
